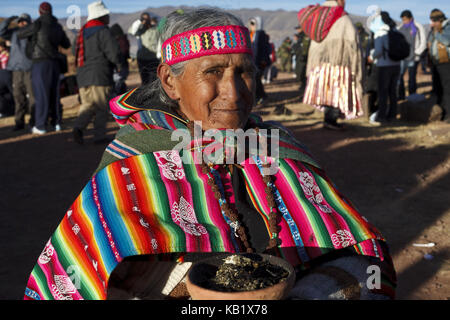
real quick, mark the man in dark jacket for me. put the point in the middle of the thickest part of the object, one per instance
(261, 54)
(20, 66)
(97, 54)
(46, 35)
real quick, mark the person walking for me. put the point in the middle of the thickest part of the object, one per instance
(388, 69)
(439, 48)
(414, 32)
(334, 68)
(20, 66)
(47, 35)
(146, 31)
(97, 54)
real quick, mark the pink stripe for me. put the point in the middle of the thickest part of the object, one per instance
(54, 268)
(192, 55)
(177, 190)
(32, 285)
(111, 146)
(327, 217)
(215, 212)
(289, 198)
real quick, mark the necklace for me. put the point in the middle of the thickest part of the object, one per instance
(232, 216)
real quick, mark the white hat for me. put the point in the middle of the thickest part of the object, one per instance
(96, 10)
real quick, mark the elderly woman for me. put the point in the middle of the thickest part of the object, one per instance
(152, 208)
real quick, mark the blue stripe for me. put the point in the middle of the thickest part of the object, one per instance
(124, 148)
(218, 181)
(90, 209)
(117, 153)
(111, 214)
(286, 215)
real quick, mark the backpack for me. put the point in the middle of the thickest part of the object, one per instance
(399, 47)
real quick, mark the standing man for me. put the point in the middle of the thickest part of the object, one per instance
(284, 53)
(47, 35)
(146, 31)
(20, 66)
(97, 54)
(439, 48)
(334, 67)
(300, 49)
(415, 34)
(261, 54)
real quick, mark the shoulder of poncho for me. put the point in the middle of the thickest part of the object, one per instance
(129, 142)
(290, 147)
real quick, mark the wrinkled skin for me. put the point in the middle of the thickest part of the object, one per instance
(217, 90)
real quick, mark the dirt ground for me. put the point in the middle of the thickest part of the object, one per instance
(398, 176)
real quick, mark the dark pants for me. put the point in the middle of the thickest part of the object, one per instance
(300, 70)
(147, 70)
(45, 79)
(371, 87)
(412, 83)
(444, 74)
(437, 85)
(387, 91)
(6, 93)
(23, 96)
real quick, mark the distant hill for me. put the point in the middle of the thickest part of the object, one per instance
(278, 24)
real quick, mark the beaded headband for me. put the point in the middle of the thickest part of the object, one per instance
(206, 41)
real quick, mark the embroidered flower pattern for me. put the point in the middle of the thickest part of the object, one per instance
(312, 191)
(64, 284)
(342, 238)
(46, 254)
(170, 164)
(184, 215)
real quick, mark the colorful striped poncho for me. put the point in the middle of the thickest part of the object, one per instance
(144, 200)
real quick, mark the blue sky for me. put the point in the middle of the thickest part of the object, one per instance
(420, 8)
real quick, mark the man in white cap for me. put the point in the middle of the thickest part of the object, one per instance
(97, 54)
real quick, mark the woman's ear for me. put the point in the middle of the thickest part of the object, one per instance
(168, 81)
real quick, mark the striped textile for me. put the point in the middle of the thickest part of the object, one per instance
(316, 21)
(206, 41)
(335, 86)
(155, 203)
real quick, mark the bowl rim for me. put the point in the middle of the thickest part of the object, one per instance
(284, 284)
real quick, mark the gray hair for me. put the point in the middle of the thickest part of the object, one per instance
(178, 22)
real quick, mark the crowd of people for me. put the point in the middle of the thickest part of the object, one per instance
(32, 66)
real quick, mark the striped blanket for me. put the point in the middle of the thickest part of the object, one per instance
(144, 200)
(316, 21)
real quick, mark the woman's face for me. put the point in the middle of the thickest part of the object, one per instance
(217, 90)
